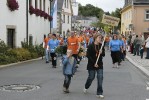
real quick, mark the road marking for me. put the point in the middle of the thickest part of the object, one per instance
(147, 99)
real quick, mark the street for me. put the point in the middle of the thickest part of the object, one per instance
(125, 83)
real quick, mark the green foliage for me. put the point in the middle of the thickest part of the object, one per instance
(90, 10)
(9, 55)
(3, 47)
(117, 13)
(106, 29)
(5, 59)
(38, 49)
(61, 49)
(20, 54)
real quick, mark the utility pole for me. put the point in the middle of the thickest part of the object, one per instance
(27, 21)
(50, 14)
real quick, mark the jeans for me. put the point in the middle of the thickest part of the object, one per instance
(136, 49)
(67, 81)
(54, 59)
(91, 77)
(147, 53)
(47, 55)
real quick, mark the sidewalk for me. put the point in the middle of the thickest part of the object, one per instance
(142, 64)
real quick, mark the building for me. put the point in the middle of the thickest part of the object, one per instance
(20, 25)
(80, 21)
(64, 16)
(135, 17)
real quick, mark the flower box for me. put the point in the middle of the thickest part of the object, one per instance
(12, 5)
(31, 10)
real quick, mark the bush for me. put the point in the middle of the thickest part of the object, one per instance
(20, 54)
(9, 55)
(3, 47)
(4, 59)
(38, 49)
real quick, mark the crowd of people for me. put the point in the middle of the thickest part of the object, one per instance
(86, 44)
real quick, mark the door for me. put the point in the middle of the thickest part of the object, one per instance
(11, 38)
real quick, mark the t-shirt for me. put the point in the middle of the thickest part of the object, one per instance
(115, 45)
(46, 40)
(73, 47)
(53, 45)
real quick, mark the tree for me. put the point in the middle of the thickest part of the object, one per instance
(90, 10)
(117, 13)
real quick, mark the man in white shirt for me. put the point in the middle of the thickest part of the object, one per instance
(147, 47)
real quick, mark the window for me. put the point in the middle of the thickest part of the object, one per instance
(68, 19)
(65, 3)
(147, 15)
(40, 4)
(44, 6)
(30, 2)
(63, 18)
(36, 4)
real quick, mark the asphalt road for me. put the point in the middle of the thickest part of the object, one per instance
(126, 83)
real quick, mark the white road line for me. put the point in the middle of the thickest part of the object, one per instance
(147, 99)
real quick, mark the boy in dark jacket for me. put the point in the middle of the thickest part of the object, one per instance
(69, 65)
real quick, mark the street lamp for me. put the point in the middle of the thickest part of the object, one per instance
(50, 14)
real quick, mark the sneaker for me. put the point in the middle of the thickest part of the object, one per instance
(67, 91)
(113, 66)
(117, 66)
(85, 90)
(47, 61)
(100, 96)
(64, 89)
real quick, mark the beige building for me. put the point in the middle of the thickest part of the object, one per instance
(135, 17)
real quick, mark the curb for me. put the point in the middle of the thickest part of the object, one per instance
(12, 64)
(145, 71)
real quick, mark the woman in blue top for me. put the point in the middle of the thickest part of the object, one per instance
(52, 45)
(115, 47)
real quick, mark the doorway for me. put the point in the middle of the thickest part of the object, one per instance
(11, 38)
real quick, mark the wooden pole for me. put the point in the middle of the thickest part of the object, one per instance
(101, 48)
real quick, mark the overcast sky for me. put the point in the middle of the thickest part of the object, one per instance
(106, 5)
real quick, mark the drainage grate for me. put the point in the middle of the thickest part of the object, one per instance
(19, 88)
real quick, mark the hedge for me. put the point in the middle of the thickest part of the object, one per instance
(27, 52)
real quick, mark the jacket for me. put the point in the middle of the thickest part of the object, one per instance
(92, 57)
(68, 68)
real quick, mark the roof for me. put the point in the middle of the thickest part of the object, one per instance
(136, 2)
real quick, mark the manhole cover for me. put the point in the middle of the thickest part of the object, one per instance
(19, 88)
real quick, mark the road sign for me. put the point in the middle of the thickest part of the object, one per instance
(110, 20)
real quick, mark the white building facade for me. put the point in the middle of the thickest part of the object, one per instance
(13, 27)
(66, 17)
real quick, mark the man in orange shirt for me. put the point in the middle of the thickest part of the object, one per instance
(73, 44)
